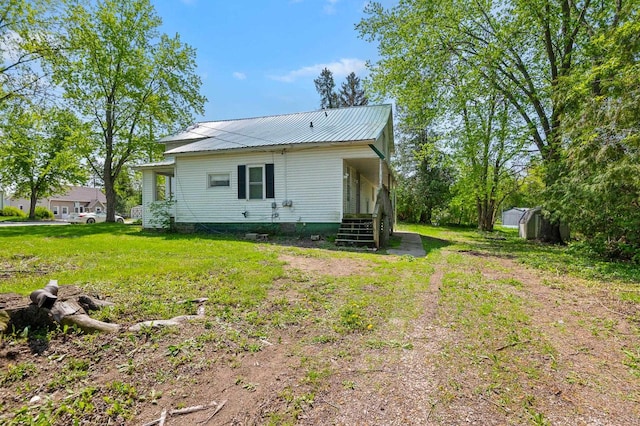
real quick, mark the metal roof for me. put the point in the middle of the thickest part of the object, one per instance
(363, 123)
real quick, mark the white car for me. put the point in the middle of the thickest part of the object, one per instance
(91, 218)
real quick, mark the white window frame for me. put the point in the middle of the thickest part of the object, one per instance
(210, 181)
(56, 210)
(263, 181)
(65, 210)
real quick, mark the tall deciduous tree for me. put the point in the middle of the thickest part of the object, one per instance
(325, 85)
(40, 153)
(24, 37)
(425, 177)
(521, 49)
(351, 93)
(489, 151)
(131, 81)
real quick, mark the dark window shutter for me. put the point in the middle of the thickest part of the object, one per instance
(242, 182)
(268, 171)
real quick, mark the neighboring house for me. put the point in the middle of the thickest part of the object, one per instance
(299, 173)
(511, 217)
(78, 199)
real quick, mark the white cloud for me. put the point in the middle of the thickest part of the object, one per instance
(239, 75)
(330, 7)
(340, 68)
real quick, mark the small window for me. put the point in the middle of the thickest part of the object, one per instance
(256, 183)
(55, 210)
(65, 210)
(21, 207)
(216, 180)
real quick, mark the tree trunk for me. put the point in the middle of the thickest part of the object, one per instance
(486, 215)
(110, 194)
(32, 206)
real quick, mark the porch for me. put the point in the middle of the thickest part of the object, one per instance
(368, 211)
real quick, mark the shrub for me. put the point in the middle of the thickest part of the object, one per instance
(43, 213)
(12, 211)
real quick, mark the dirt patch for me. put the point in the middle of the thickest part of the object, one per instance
(336, 267)
(283, 362)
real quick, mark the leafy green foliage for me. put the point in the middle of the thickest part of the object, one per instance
(133, 82)
(439, 57)
(599, 191)
(40, 151)
(424, 181)
(43, 213)
(20, 75)
(12, 211)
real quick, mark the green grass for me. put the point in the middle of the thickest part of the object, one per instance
(253, 299)
(145, 270)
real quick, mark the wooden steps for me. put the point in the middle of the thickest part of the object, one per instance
(356, 231)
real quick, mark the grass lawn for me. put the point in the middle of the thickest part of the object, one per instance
(295, 333)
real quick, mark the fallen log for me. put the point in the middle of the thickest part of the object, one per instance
(70, 313)
(52, 305)
(67, 305)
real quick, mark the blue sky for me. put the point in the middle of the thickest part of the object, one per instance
(260, 57)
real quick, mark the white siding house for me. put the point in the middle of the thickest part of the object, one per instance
(300, 173)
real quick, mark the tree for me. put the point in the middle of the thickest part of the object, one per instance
(522, 50)
(325, 87)
(39, 155)
(600, 187)
(489, 151)
(424, 177)
(131, 81)
(351, 94)
(24, 39)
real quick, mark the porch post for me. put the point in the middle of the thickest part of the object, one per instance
(380, 173)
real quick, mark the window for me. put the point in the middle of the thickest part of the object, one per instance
(256, 180)
(215, 180)
(160, 190)
(65, 210)
(79, 209)
(56, 209)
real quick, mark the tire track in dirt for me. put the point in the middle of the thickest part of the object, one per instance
(402, 388)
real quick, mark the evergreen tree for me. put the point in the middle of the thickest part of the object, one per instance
(351, 94)
(325, 87)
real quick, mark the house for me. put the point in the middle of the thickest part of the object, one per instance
(511, 217)
(77, 199)
(304, 173)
